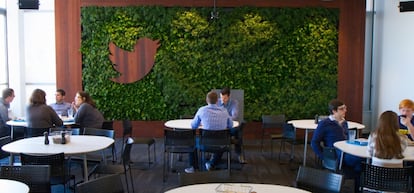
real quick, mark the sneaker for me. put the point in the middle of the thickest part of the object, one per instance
(189, 170)
(242, 160)
(208, 166)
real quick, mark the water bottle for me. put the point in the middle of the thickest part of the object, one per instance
(46, 134)
(63, 138)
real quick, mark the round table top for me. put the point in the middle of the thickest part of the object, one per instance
(78, 144)
(362, 151)
(259, 188)
(310, 124)
(186, 124)
(13, 186)
(23, 123)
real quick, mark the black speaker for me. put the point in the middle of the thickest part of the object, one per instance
(28, 4)
(406, 6)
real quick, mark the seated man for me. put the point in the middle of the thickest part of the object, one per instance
(232, 106)
(211, 117)
(61, 107)
(333, 129)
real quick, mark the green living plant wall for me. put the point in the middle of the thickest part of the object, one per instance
(285, 59)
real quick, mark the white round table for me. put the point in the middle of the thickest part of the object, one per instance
(259, 188)
(186, 124)
(362, 151)
(79, 144)
(8, 186)
(309, 124)
(23, 123)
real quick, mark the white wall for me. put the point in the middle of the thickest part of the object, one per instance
(393, 56)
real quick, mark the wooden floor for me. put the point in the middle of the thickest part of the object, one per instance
(261, 168)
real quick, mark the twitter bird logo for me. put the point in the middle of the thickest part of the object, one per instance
(135, 65)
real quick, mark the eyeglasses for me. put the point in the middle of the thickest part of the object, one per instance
(342, 108)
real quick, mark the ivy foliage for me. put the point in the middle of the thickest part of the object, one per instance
(285, 59)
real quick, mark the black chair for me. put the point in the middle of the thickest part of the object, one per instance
(386, 179)
(35, 132)
(105, 184)
(127, 132)
(218, 176)
(3, 141)
(212, 141)
(177, 142)
(107, 124)
(120, 168)
(289, 136)
(271, 123)
(37, 177)
(319, 181)
(75, 131)
(59, 172)
(101, 132)
(330, 159)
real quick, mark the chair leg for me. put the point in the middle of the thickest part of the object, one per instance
(132, 180)
(228, 161)
(282, 147)
(155, 155)
(271, 148)
(149, 156)
(261, 147)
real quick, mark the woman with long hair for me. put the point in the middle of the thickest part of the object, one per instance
(40, 117)
(385, 144)
(86, 113)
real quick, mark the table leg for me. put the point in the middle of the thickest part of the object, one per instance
(340, 160)
(85, 168)
(11, 132)
(305, 148)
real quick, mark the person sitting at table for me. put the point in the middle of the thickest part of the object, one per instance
(385, 144)
(211, 117)
(406, 121)
(40, 117)
(333, 129)
(87, 115)
(232, 106)
(7, 98)
(61, 107)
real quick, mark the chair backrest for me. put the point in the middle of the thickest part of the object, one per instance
(273, 121)
(37, 177)
(55, 161)
(3, 141)
(386, 179)
(107, 124)
(319, 181)
(179, 137)
(186, 116)
(75, 131)
(105, 184)
(99, 132)
(214, 139)
(127, 128)
(218, 176)
(330, 159)
(289, 131)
